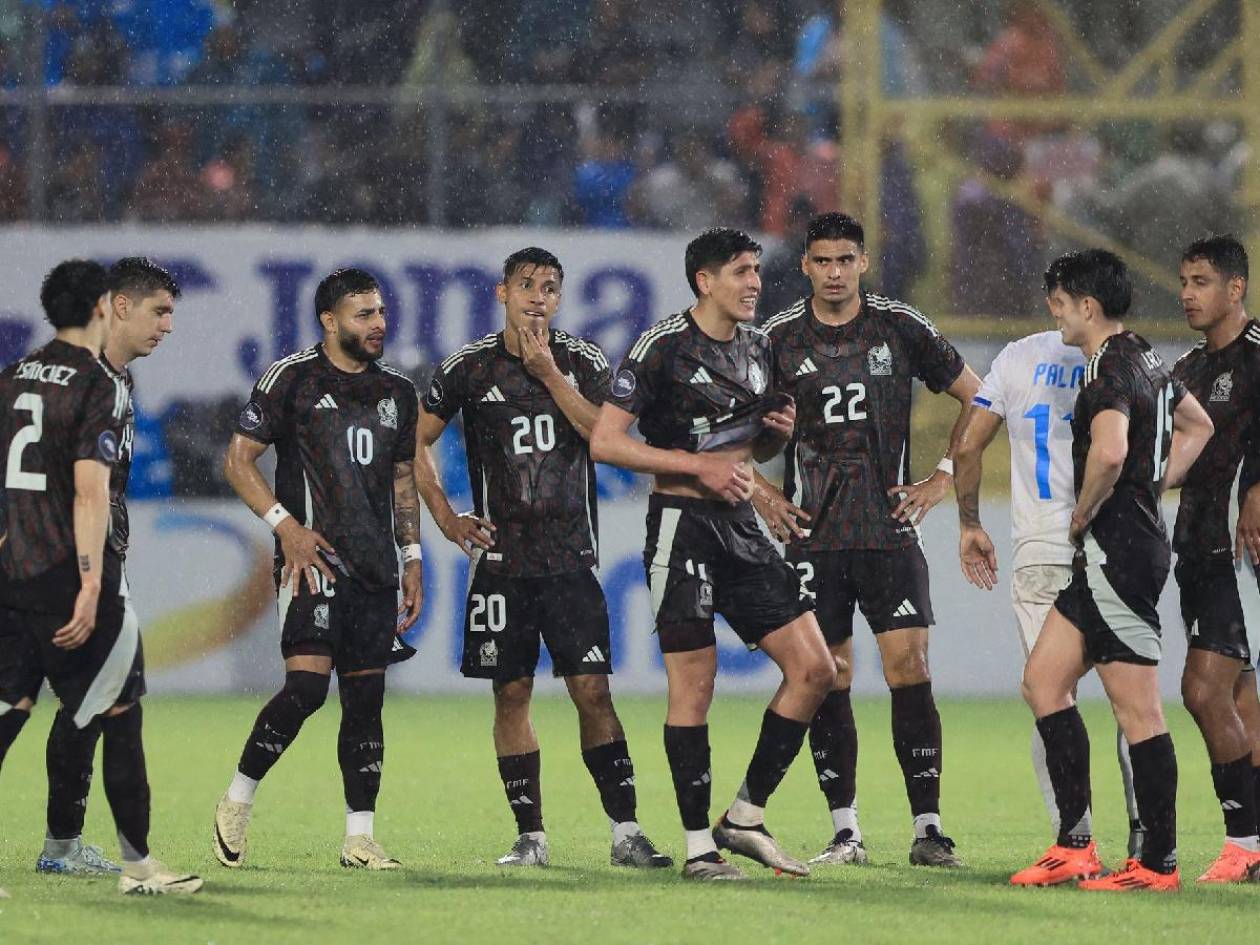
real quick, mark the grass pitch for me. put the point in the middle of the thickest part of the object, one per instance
(443, 813)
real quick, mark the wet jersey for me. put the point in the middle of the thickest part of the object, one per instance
(119, 521)
(59, 407)
(693, 392)
(529, 468)
(337, 437)
(1125, 374)
(1227, 384)
(852, 385)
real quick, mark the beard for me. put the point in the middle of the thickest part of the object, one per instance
(355, 347)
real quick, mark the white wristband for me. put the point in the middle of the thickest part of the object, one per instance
(946, 465)
(275, 515)
(412, 553)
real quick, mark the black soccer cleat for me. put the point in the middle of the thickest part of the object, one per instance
(637, 851)
(935, 849)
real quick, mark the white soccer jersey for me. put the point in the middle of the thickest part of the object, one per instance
(1032, 385)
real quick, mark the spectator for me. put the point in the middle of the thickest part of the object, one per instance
(692, 191)
(1023, 60)
(12, 186)
(782, 281)
(602, 182)
(169, 188)
(76, 192)
(227, 183)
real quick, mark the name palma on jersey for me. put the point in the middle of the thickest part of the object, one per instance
(1054, 374)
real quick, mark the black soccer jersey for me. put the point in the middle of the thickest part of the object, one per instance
(337, 437)
(120, 522)
(852, 384)
(530, 470)
(1126, 375)
(1227, 384)
(692, 392)
(57, 406)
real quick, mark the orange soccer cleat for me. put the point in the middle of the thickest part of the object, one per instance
(1061, 865)
(1134, 876)
(1234, 865)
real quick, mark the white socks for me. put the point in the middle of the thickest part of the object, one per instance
(699, 842)
(744, 814)
(242, 789)
(923, 821)
(359, 823)
(625, 830)
(845, 818)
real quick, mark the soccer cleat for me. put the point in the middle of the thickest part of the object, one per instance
(637, 851)
(1234, 865)
(841, 850)
(1134, 876)
(756, 843)
(935, 849)
(151, 878)
(1061, 865)
(361, 852)
(231, 820)
(526, 851)
(85, 860)
(711, 868)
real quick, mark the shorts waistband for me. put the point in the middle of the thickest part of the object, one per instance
(711, 508)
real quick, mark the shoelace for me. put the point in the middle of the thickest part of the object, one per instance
(95, 856)
(937, 837)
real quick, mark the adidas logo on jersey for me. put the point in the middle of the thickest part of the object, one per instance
(701, 377)
(807, 367)
(594, 655)
(326, 403)
(905, 610)
(494, 396)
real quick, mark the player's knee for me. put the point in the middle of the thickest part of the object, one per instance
(362, 694)
(307, 691)
(592, 696)
(512, 698)
(908, 668)
(1200, 697)
(816, 674)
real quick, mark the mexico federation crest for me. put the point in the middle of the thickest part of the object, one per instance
(1222, 387)
(489, 653)
(756, 378)
(387, 412)
(879, 360)
(321, 616)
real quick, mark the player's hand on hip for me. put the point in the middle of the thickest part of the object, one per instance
(413, 596)
(730, 479)
(978, 557)
(782, 518)
(920, 498)
(469, 532)
(1247, 538)
(781, 422)
(536, 355)
(82, 622)
(301, 547)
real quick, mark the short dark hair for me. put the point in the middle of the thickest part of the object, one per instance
(531, 256)
(342, 282)
(1096, 273)
(71, 290)
(1225, 253)
(139, 277)
(714, 248)
(835, 226)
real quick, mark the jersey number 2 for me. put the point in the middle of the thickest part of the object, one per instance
(15, 477)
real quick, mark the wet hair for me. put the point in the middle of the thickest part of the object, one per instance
(1096, 273)
(139, 277)
(835, 226)
(1224, 252)
(69, 292)
(531, 256)
(337, 285)
(713, 249)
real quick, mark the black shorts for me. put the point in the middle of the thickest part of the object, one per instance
(1210, 605)
(105, 671)
(506, 617)
(707, 557)
(891, 587)
(356, 626)
(1114, 605)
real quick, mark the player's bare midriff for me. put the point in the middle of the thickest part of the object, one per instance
(689, 487)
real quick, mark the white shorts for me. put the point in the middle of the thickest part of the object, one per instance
(1033, 592)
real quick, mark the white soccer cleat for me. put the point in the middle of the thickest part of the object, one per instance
(231, 821)
(526, 851)
(361, 852)
(151, 878)
(841, 851)
(757, 844)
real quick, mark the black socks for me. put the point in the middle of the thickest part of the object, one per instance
(68, 760)
(280, 721)
(361, 739)
(916, 730)
(833, 741)
(687, 748)
(1155, 784)
(1067, 763)
(521, 783)
(613, 772)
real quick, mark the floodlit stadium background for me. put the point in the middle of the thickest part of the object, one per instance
(252, 146)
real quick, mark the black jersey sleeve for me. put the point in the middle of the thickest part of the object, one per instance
(101, 418)
(448, 388)
(592, 371)
(266, 416)
(936, 361)
(640, 378)
(1114, 387)
(408, 412)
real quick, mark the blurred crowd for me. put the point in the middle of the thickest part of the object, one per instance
(605, 113)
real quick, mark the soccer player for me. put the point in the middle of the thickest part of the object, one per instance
(1032, 385)
(343, 424)
(65, 614)
(1135, 430)
(1223, 373)
(143, 298)
(529, 397)
(700, 384)
(849, 359)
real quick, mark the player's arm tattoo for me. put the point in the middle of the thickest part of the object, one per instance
(969, 508)
(85, 563)
(406, 505)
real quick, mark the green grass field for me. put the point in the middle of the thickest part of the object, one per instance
(442, 812)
